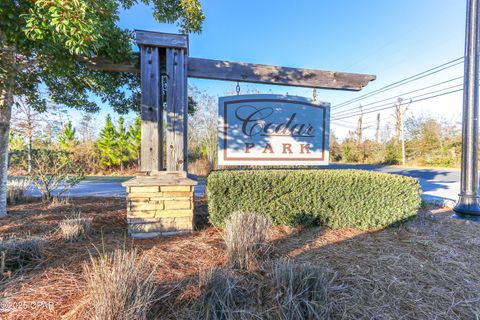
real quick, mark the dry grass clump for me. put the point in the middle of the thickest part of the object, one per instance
(16, 253)
(223, 296)
(75, 228)
(17, 189)
(119, 287)
(284, 290)
(245, 237)
(59, 201)
(299, 291)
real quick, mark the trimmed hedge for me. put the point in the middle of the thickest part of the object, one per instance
(335, 198)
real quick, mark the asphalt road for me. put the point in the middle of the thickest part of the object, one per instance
(437, 184)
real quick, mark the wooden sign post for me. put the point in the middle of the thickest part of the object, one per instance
(161, 200)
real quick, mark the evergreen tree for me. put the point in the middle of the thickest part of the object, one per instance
(135, 140)
(107, 144)
(123, 142)
(67, 136)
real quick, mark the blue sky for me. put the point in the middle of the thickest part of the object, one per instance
(391, 39)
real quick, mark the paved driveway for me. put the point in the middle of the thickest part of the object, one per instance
(437, 184)
(103, 187)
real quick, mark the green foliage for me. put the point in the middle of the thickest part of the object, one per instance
(118, 146)
(135, 137)
(56, 40)
(393, 152)
(123, 142)
(433, 142)
(335, 198)
(15, 141)
(67, 136)
(107, 143)
(350, 151)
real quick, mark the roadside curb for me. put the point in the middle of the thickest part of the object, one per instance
(438, 201)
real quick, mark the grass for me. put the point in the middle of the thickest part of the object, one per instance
(300, 291)
(17, 189)
(245, 238)
(425, 269)
(17, 253)
(119, 287)
(73, 229)
(222, 297)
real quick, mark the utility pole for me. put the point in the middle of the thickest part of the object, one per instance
(377, 133)
(468, 205)
(402, 119)
(400, 111)
(359, 127)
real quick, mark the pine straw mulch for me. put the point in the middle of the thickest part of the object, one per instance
(428, 268)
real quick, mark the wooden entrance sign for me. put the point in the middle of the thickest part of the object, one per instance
(165, 62)
(272, 130)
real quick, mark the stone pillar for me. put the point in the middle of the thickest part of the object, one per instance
(160, 204)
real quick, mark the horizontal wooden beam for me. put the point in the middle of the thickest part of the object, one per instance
(268, 74)
(161, 39)
(255, 73)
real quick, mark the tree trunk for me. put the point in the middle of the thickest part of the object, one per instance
(29, 154)
(7, 82)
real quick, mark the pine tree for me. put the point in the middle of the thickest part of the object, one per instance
(135, 140)
(67, 136)
(123, 142)
(107, 144)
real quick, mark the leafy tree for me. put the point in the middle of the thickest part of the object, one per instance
(67, 137)
(135, 138)
(51, 43)
(15, 141)
(107, 143)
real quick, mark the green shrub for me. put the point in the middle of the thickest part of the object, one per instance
(336, 198)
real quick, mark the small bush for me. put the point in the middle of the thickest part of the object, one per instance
(299, 291)
(55, 171)
(336, 198)
(18, 253)
(222, 296)
(119, 287)
(245, 238)
(75, 228)
(17, 189)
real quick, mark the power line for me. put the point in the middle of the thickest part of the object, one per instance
(401, 95)
(407, 98)
(411, 102)
(386, 104)
(415, 77)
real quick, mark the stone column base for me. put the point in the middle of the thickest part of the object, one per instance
(160, 204)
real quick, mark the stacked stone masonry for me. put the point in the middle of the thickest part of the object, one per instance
(160, 210)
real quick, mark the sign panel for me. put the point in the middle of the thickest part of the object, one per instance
(273, 130)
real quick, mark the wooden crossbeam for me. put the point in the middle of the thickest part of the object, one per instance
(268, 74)
(255, 73)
